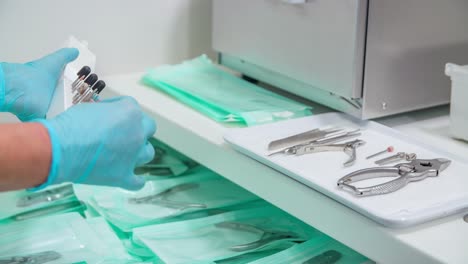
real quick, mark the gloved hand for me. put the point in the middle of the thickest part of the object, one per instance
(26, 89)
(100, 143)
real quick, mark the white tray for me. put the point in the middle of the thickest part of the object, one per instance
(418, 202)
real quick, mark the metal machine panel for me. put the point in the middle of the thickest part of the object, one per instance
(318, 42)
(368, 58)
(408, 44)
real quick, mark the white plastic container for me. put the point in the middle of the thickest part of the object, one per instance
(62, 98)
(459, 100)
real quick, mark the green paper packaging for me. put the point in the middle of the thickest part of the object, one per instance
(221, 95)
(207, 240)
(200, 190)
(21, 205)
(68, 238)
(318, 250)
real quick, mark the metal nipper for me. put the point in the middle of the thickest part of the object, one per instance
(403, 173)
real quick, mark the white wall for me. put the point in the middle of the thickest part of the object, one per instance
(125, 35)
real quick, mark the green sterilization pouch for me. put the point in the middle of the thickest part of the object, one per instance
(65, 238)
(224, 236)
(115, 247)
(161, 200)
(251, 256)
(222, 96)
(23, 204)
(141, 251)
(318, 250)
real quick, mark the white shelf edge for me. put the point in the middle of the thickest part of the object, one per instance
(201, 139)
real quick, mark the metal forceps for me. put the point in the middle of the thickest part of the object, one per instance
(403, 173)
(267, 236)
(302, 138)
(340, 136)
(37, 258)
(162, 198)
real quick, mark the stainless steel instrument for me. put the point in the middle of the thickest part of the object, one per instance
(162, 198)
(349, 148)
(402, 174)
(324, 139)
(266, 236)
(396, 158)
(37, 258)
(301, 138)
(46, 196)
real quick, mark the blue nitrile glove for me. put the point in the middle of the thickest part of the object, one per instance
(26, 89)
(100, 143)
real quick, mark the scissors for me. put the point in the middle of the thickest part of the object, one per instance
(267, 236)
(404, 173)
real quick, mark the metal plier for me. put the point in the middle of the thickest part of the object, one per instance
(404, 173)
(267, 236)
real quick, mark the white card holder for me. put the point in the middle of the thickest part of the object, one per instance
(63, 97)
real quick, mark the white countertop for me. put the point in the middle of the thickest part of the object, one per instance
(441, 241)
